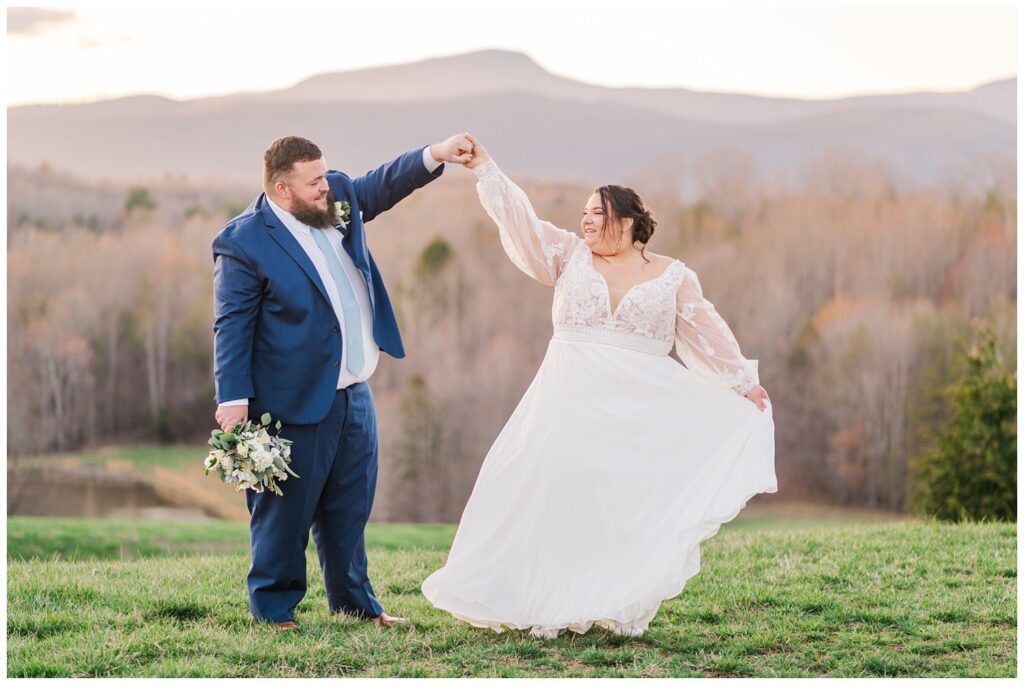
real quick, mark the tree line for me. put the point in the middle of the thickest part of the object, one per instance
(855, 296)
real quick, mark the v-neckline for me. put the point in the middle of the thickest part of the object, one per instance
(608, 291)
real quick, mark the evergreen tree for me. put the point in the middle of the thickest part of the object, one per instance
(971, 472)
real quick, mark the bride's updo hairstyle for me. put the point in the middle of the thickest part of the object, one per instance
(620, 202)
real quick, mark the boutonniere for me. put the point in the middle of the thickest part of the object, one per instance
(343, 213)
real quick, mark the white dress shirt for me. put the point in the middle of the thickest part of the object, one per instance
(302, 234)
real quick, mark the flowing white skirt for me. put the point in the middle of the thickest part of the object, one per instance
(592, 502)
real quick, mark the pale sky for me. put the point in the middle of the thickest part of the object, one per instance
(83, 51)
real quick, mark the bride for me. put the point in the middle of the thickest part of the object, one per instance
(592, 502)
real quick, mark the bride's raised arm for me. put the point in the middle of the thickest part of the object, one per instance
(705, 343)
(539, 248)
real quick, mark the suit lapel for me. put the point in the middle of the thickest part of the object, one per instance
(353, 241)
(353, 245)
(283, 237)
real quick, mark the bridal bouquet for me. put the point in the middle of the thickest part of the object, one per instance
(249, 457)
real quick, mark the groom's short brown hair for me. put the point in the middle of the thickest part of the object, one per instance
(282, 154)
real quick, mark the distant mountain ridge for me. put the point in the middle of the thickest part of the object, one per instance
(496, 71)
(534, 122)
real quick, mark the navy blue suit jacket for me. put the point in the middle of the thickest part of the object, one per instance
(277, 339)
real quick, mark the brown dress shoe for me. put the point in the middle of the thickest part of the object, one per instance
(286, 625)
(385, 621)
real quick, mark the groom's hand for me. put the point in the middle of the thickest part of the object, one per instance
(457, 149)
(228, 417)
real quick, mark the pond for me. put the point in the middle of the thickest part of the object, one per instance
(90, 492)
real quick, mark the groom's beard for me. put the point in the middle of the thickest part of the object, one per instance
(312, 215)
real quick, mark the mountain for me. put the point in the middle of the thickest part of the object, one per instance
(534, 122)
(495, 71)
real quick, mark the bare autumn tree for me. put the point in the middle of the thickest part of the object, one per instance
(865, 358)
(727, 184)
(112, 282)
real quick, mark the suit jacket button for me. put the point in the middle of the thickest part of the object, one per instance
(334, 364)
(337, 329)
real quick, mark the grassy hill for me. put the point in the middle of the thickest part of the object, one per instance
(883, 599)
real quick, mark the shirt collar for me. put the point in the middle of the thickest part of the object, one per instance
(288, 219)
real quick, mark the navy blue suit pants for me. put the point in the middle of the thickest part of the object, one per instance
(336, 461)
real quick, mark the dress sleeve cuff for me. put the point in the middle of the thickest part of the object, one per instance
(748, 377)
(488, 168)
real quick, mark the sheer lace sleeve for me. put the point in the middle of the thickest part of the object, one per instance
(539, 248)
(705, 343)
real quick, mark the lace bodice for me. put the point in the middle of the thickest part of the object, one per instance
(646, 310)
(652, 316)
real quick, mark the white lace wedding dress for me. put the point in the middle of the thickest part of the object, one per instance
(591, 504)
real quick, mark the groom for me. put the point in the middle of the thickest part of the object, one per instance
(301, 315)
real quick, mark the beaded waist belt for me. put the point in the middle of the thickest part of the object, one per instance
(614, 337)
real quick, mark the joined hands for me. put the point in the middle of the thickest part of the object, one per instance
(460, 149)
(457, 150)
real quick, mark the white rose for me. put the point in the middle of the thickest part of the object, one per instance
(213, 458)
(242, 448)
(263, 460)
(244, 476)
(225, 461)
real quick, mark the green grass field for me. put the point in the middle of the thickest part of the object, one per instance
(907, 599)
(58, 539)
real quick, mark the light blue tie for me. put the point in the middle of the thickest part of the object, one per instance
(349, 305)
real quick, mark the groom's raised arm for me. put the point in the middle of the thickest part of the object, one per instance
(382, 188)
